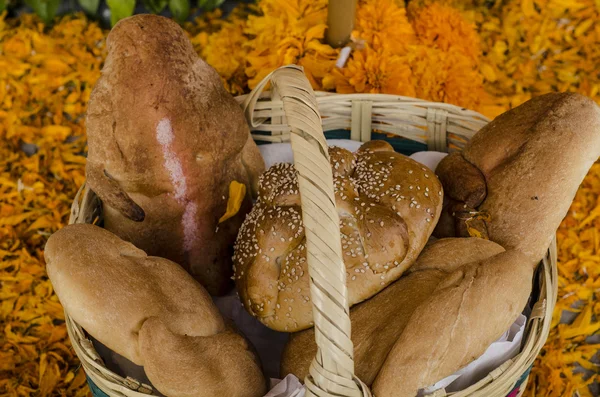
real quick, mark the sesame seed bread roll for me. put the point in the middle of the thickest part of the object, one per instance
(522, 170)
(152, 312)
(169, 148)
(388, 205)
(378, 322)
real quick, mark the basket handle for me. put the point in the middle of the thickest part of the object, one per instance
(332, 370)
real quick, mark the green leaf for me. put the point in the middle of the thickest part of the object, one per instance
(89, 6)
(2, 5)
(209, 5)
(120, 9)
(45, 9)
(180, 9)
(155, 6)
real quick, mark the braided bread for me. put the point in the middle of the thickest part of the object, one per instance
(388, 205)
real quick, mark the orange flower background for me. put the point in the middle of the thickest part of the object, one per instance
(480, 54)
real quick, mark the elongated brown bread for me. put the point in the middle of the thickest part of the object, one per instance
(388, 205)
(522, 170)
(165, 143)
(470, 308)
(378, 323)
(150, 311)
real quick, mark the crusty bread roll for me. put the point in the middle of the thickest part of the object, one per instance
(388, 206)
(522, 170)
(470, 308)
(376, 325)
(166, 141)
(150, 311)
(378, 322)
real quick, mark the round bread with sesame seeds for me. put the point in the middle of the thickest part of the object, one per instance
(388, 205)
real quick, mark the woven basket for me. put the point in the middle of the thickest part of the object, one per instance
(292, 112)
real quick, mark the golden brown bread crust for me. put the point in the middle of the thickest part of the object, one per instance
(471, 308)
(218, 365)
(150, 311)
(533, 159)
(165, 141)
(376, 325)
(378, 322)
(388, 205)
(470, 188)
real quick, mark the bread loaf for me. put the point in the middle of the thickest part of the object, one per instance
(388, 205)
(470, 308)
(520, 173)
(378, 323)
(150, 311)
(169, 148)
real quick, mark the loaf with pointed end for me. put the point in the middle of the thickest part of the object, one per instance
(169, 149)
(378, 322)
(149, 310)
(469, 309)
(520, 173)
(388, 205)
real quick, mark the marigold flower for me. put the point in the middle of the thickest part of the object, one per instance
(383, 23)
(285, 33)
(445, 27)
(45, 81)
(374, 71)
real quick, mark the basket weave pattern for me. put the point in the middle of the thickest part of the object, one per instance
(292, 112)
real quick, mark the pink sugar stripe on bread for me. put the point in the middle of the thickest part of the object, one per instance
(165, 136)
